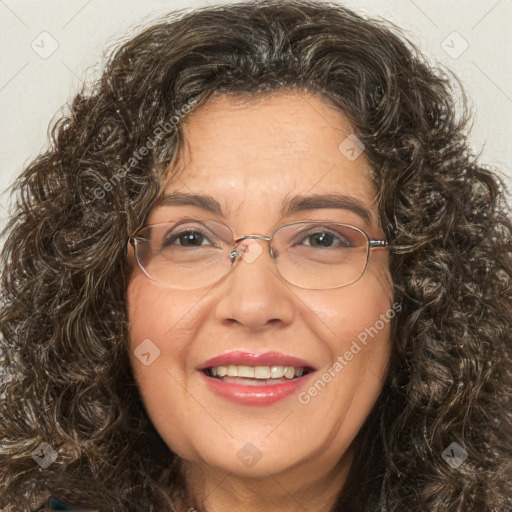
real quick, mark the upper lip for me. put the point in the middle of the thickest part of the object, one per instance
(240, 358)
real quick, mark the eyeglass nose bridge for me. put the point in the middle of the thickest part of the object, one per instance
(233, 255)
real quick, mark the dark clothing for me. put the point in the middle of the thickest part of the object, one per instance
(53, 504)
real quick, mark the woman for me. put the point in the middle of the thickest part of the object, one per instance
(259, 269)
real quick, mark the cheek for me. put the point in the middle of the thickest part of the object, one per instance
(157, 315)
(355, 324)
(362, 311)
(341, 397)
(161, 328)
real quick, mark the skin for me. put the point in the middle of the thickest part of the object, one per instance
(250, 156)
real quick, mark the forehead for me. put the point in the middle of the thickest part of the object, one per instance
(261, 152)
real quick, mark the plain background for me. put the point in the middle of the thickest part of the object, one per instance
(35, 85)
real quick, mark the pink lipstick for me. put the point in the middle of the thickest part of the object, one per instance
(255, 379)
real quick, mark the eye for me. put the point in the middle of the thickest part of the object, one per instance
(192, 237)
(324, 238)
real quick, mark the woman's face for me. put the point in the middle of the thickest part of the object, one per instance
(250, 158)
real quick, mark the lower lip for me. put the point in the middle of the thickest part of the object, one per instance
(254, 395)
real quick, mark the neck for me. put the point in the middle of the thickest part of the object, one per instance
(313, 488)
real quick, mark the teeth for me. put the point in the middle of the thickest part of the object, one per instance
(276, 372)
(257, 372)
(221, 371)
(245, 371)
(289, 372)
(261, 372)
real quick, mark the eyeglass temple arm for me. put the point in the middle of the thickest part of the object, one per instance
(373, 243)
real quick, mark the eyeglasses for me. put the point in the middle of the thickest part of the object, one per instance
(192, 253)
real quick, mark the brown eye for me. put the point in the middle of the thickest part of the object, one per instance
(188, 238)
(326, 238)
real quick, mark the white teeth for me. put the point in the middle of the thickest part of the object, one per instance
(257, 372)
(221, 371)
(246, 371)
(289, 372)
(262, 372)
(276, 372)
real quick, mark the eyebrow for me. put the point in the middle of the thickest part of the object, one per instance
(295, 204)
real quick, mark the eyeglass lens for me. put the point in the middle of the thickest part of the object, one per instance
(191, 254)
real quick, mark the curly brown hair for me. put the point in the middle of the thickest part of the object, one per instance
(67, 375)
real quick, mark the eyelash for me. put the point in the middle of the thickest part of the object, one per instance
(168, 241)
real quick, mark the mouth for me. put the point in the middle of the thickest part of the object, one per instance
(256, 375)
(255, 379)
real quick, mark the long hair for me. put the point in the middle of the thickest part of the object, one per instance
(67, 379)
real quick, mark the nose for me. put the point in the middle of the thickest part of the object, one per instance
(253, 294)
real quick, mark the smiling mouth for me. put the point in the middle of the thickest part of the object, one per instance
(256, 375)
